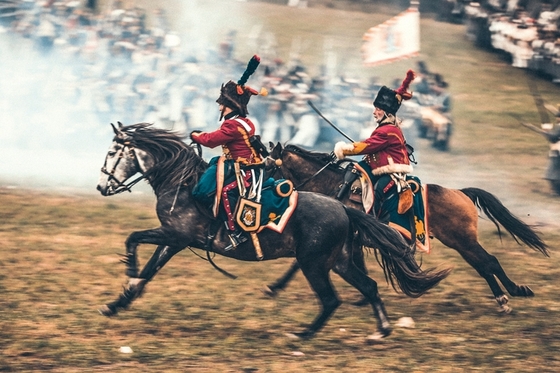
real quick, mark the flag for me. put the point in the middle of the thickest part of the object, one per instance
(393, 40)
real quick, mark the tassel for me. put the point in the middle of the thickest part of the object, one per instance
(251, 67)
(402, 90)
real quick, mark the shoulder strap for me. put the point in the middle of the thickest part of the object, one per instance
(244, 124)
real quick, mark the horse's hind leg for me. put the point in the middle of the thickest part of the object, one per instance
(489, 268)
(351, 273)
(454, 220)
(317, 275)
(272, 289)
(135, 286)
(281, 283)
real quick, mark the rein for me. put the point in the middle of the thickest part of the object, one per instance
(121, 186)
(314, 175)
(276, 168)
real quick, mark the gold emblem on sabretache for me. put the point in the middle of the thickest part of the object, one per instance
(248, 216)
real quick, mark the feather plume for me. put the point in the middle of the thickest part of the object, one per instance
(251, 67)
(403, 89)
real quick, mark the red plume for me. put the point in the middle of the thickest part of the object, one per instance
(403, 89)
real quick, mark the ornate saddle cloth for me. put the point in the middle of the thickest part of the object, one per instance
(364, 192)
(218, 185)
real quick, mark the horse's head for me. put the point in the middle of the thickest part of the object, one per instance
(273, 162)
(160, 156)
(122, 162)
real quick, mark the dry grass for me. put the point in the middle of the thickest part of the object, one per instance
(60, 264)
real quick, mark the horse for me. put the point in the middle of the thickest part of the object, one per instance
(452, 215)
(316, 234)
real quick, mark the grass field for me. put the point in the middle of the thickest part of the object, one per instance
(59, 260)
(59, 264)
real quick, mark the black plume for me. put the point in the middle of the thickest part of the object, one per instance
(251, 67)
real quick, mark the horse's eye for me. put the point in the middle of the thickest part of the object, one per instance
(111, 153)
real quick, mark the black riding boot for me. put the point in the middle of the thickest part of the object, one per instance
(349, 177)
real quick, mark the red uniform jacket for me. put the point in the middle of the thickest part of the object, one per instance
(233, 135)
(385, 150)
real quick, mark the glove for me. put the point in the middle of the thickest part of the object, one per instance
(340, 147)
(193, 138)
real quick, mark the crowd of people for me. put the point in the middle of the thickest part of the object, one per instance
(527, 30)
(116, 67)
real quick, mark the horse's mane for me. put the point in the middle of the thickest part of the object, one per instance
(175, 162)
(313, 156)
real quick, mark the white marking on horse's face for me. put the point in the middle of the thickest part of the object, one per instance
(119, 166)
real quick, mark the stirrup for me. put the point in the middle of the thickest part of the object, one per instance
(236, 238)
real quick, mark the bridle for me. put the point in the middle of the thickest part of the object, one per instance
(272, 170)
(121, 184)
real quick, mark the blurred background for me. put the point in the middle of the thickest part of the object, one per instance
(69, 68)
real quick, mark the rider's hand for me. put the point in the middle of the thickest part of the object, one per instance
(193, 138)
(340, 147)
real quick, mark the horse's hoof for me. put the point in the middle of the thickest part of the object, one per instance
(502, 301)
(306, 334)
(523, 291)
(504, 308)
(266, 290)
(379, 335)
(107, 311)
(292, 336)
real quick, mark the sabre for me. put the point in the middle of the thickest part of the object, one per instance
(328, 121)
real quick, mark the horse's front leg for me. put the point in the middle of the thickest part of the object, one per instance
(135, 286)
(152, 236)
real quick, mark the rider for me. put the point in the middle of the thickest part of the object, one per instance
(237, 137)
(386, 152)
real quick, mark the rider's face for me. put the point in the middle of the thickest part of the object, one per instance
(378, 114)
(224, 109)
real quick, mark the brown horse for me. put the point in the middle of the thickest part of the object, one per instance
(452, 215)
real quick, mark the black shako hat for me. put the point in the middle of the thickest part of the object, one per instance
(390, 100)
(236, 95)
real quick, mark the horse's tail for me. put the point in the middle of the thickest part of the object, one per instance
(498, 213)
(397, 258)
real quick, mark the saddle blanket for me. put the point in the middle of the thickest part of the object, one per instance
(278, 199)
(401, 222)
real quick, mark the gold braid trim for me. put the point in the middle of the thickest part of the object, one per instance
(255, 156)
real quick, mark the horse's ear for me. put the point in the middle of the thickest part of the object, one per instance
(276, 151)
(120, 125)
(115, 130)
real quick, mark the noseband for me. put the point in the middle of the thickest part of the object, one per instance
(121, 186)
